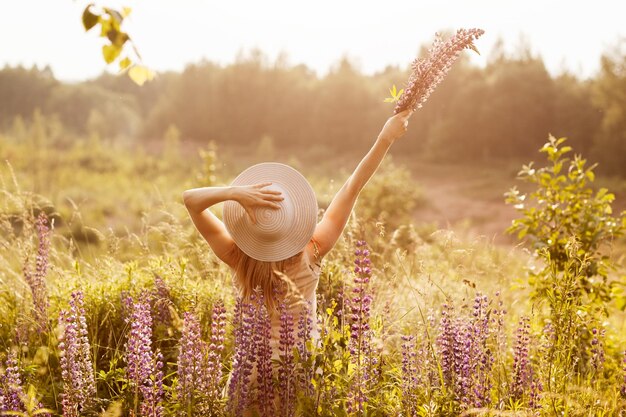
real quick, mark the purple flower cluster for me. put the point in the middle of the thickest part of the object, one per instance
(11, 392)
(77, 371)
(37, 280)
(466, 358)
(428, 73)
(410, 381)
(360, 344)
(239, 395)
(521, 365)
(305, 327)
(191, 364)
(597, 350)
(253, 384)
(262, 336)
(216, 347)
(12, 395)
(143, 367)
(161, 301)
(286, 375)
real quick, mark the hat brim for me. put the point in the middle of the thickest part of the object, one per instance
(299, 200)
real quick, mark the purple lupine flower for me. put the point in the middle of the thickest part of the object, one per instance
(152, 389)
(286, 344)
(143, 368)
(597, 349)
(11, 391)
(305, 327)
(521, 364)
(191, 366)
(216, 347)
(410, 381)
(482, 358)
(239, 396)
(37, 280)
(534, 395)
(79, 385)
(360, 333)
(464, 362)
(262, 336)
(428, 73)
(446, 342)
(161, 301)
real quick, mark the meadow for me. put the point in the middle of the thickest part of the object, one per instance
(112, 304)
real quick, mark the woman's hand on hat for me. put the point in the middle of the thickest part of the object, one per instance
(252, 196)
(396, 126)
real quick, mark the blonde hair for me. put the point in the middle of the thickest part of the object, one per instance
(269, 278)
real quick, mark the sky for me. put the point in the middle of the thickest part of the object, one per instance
(568, 34)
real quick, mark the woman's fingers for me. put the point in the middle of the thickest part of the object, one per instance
(274, 192)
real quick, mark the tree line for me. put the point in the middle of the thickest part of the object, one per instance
(501, 111)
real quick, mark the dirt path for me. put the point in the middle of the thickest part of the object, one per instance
(466, 200)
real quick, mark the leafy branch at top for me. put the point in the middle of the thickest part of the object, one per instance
(110, 22)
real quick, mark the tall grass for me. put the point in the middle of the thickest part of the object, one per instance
(423, 324)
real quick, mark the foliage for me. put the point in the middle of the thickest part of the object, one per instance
(110, 22)
(501, 111)
(563, 207)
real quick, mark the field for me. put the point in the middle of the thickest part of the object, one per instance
(119, 307)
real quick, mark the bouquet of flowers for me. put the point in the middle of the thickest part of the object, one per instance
(428, 73)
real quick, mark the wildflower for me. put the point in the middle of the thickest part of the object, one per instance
(360, 332)
(428, 73)
(191, 366)
(79, 386)
(11, 392)
(161, 300)
(216, 347)
(239, 397)
(143, 368)
(305, 327)
(521, 365)
(597, 349)
(410, 381)
(286, 343)
(37, 280)
(262, 335)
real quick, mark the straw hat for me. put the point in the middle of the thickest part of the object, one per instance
(278, 233)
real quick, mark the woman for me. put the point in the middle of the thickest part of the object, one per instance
(270, 228)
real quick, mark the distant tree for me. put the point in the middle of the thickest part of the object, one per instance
(609, 96)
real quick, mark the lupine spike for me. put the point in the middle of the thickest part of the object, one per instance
(37, 280)
(143, 367)
(79, 386)
(428, 73)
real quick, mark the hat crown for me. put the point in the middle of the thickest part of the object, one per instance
(274, 224)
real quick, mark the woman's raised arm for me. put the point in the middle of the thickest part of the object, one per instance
(197, 200)
(331, 226)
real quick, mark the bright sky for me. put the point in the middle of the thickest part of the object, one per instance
(568, 34)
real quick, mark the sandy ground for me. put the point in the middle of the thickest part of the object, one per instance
(466, 200)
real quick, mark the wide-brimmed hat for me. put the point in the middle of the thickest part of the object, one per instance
(278, 233)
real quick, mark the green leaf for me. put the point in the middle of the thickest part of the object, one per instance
(110, 52)
(125, 63)
(89, 19)
(140, 74)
